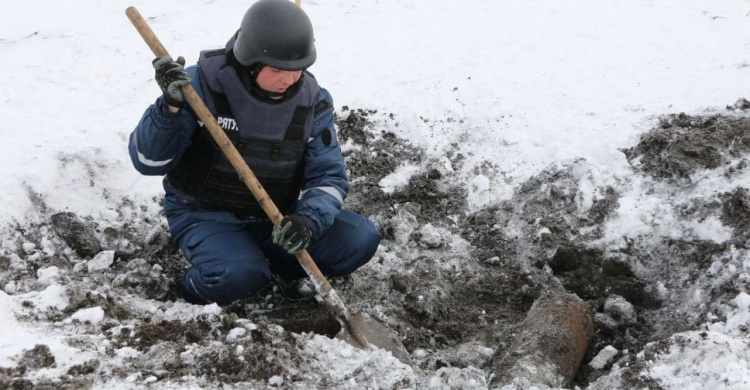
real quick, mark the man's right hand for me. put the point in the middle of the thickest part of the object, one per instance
(171, 76)
(292, 234)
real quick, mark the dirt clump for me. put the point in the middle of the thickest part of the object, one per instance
(86, 368)
(683, 144)
(144, 279)
(80, 236)
(62, 384)
(589, 274)
(302, 317)
(734, 213)
(563, 205)
(38, 357)
(143, 336)
(741, 104)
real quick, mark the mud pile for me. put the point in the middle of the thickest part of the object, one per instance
(682, 145)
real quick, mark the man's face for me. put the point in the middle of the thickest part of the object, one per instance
(277, 80)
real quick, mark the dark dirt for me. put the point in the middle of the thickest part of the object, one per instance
(62, 384)
(734, 213)
(38, 357)
(163, 342)
(379, 153)
(376, 156)
(682, 144)
(488, 300)
(741, 104)
(87, 368)
(142, 278)
(301, 317)
(78, 235)
(589, 274)
(144, 336)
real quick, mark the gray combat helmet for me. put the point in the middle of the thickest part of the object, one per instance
(276, 33)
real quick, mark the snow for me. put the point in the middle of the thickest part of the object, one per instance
(101, 261)
(47, 276)
(235, 333)
(603, 357)
(738, 317)
(742, 301)
(212, 309)
(710, 361)
(398, 178)
(18, 336)
(532, 83)
(92, 315)
(276, 380)
(127, 352)
(536, 82)
(479, 192)
(14, 334)
(343, 362)
(54, 296)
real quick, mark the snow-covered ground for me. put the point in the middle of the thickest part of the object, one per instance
(513, 86)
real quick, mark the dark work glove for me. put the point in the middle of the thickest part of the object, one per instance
(292, 234)
(171, 75)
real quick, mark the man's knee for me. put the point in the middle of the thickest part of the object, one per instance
(224, 283)
(362, 247)
(370, 240)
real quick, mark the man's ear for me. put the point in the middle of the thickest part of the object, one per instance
(255, 70)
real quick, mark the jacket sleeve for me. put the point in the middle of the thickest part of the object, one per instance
(161, 137)
(324, 184)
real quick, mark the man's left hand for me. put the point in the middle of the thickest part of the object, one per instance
(292, 234)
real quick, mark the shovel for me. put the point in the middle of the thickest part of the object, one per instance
(357, 329)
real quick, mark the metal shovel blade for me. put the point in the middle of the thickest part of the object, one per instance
(376, 334)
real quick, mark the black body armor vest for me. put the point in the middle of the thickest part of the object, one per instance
(271, 137)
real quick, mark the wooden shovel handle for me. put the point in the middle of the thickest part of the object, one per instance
(261, 196)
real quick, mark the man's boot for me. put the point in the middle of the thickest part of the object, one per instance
(296, 290)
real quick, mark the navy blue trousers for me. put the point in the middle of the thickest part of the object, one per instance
(233, 258)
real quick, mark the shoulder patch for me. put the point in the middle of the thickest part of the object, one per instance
(320, 107)
(326, 137)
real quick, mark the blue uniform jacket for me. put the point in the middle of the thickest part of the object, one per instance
(161, 138)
